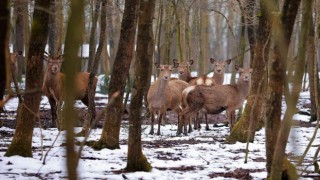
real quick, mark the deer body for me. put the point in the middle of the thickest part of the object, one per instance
(217, 78)
(215, 99)
(164, 94)
(53, 85)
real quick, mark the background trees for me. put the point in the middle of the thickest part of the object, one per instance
(183, 29)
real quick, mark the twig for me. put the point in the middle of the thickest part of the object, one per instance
(45, 156)
(204, 160)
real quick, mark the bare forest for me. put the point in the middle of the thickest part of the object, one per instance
(118, 84)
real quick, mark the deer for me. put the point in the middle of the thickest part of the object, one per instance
(215, 99)
(53, 85)
(217, 78)
(165, 94)
(184, 70)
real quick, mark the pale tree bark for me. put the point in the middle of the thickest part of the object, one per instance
(254, 111)
(72, 45)
(111, 128)
(292, 94)
(27, 113)
(143, 67)
(59, 22)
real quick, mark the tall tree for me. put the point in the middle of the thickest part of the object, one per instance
(28, 111)
(4, 37)
(92, 39)
(259, 78)
(53, 38)
(143, 67)
(292, 93)
(111, 128)
(72, 45)
(20, 7)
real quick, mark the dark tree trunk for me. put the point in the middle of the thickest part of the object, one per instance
(282, 30)
(311, 51)
(4, 36)
(114, 112)
(72, 45)
(143, 67)
(94, 68)
(92, 40)
(18, 45)
(256, 99)
(26, 116)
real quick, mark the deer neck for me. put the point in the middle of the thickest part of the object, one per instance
(243, 87)
(185, 77)
(52, 79)
(160, 88)
(218, 78)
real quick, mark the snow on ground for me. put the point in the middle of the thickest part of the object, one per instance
(206, 156)
(200, 155)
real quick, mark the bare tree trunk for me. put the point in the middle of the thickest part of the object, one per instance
(92, 41)
(72, 45)
(53, 40)
(28, 111)
(293, 94)
(93, 71)
(143, 67)
(256, 99)
(111, 129)
(311, 51)
(59, 23)
(4, 39)
(18, 45)
(204, 41)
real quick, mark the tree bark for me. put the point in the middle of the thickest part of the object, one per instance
(256, 99)
(292, 94)
(111, 129)
(143, 67)
(53, 38)
(28, 111)
(72, 45)
(4, 38)
(92, 41)
(94, 68)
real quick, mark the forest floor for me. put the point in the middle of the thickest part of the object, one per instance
(200, 155)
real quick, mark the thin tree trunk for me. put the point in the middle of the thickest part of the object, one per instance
(143, 67)
(22, 140)
(92, 41)
(293, 94)
(72, 45)
(111, 129)
(53, 40)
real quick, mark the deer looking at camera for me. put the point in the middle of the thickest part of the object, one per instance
(215, 99)
(165, 94)
(53, 85)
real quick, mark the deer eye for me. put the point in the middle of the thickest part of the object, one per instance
(161, 69)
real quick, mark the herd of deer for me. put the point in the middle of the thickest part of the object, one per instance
(186, 95)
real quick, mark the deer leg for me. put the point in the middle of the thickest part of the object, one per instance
(159, 122)
(190, 126)
(198, 120)
(53, 108)
(207, 125)
(152, 121)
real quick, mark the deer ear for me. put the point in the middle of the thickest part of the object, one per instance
(157, 65)
(190, 62)
(175, 61)
(175, 65)
(237, 67)
(228, 61)
(212, 60)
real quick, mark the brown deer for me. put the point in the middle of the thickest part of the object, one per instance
(165, 94)
(219, 67)
(215, 99)
(54, 82)
(184, 70)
